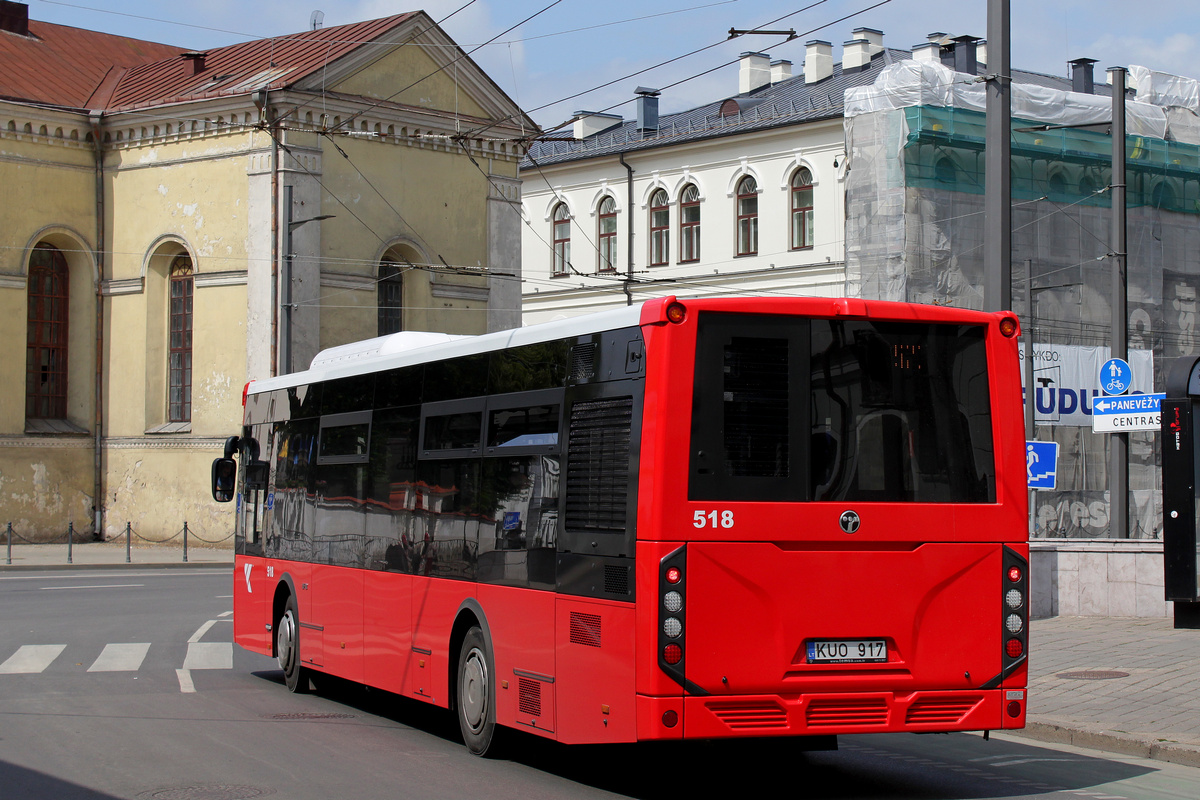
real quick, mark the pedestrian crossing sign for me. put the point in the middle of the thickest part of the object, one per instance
(1041, 464)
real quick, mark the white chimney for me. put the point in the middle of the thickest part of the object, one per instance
(930, 51)
(589, 123)
(856, 54)
(818, 61)
(755, 72)
(981, 52)
(781, 70)
(873, 37)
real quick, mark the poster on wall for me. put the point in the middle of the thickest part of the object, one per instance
(1066, 380)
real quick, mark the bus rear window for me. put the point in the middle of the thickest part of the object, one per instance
(793, 409)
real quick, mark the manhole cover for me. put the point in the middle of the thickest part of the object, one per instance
(306, 715)
(1092, 675)
(206, 792)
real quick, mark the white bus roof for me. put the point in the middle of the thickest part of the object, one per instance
(418, 347)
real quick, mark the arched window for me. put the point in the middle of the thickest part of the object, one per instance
(391, 297)
(660, 229)
(1057, 185)
(802, 209)
(747, 217)
(945, 171)
(606, 232)
(179, 387)
(562, 239)
(46, 342)
(689, 224)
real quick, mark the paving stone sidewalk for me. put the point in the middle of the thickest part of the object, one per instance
(1127, 685)
(110, 554)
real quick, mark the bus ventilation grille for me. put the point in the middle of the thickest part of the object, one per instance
(583, 362)
(830, 713)
(585, 629)
(598, 464)
(750, 716)
(616, 579)
(941, 710)
(529, 697)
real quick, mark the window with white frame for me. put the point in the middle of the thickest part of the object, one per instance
(747, 216)
(660, 229)
(689, 224)
(606, 233)
(802, 209)
(562, 239)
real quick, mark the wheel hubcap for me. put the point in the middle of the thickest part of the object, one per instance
(285, 642)
(474, 696)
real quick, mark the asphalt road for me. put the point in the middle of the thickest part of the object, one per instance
(125, 684)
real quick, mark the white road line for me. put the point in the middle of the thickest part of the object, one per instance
(225, 614)
(203, 629)
(209, 655)
(185, 681)
(124, 657)
(31, 658)
(105, 586)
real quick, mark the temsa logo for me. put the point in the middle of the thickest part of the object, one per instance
(1176, 423)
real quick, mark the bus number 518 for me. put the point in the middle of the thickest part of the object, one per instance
(723, 519)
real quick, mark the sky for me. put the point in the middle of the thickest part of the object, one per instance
(558, 62)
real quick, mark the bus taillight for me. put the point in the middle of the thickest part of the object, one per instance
(1014, 610)
(1009, 327)
(672, 606)
(676, 312)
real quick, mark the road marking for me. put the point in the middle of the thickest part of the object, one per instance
(126, 657)
(98, 586)
(185, 681)
(31, 658)
(203, 629)
(209, 655)
(225, 614)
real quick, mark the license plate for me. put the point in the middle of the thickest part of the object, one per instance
(846, 651)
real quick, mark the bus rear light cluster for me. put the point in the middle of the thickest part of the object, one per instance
(672, 608)
(1009, 327)
(1014, 610)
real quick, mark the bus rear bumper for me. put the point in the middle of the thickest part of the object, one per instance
(723, 717)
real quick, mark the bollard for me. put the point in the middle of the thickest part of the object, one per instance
(128, 536)
(10, 543)
(185, 532)
(70, 540)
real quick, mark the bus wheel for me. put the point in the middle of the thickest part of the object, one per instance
(476, 694)
(287, 644)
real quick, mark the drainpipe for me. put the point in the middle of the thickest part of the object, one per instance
(98, 490)
(629, 238)
(261, 100)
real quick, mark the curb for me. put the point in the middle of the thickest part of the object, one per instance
(1113, 742)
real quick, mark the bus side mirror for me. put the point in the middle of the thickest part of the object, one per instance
(224, 479)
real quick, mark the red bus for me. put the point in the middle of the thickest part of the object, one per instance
(680, 520)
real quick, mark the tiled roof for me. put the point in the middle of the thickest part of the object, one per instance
(60, 65)
(76, 68)
(240, 68)
(788, 102)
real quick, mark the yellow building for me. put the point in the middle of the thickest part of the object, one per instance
(177, 223)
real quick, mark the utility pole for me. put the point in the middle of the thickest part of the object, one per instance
(1118, 454)
(997, 200)
(285, 278)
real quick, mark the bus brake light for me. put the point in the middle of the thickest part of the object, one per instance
(676, 313)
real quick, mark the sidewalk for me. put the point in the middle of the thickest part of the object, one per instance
(1121, 684)
(93, 555)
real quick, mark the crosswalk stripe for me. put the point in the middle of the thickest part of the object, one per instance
(209, 655)
(31, 658)
(125, 657)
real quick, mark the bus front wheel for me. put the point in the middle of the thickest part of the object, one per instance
(476, 694)
(287, 645)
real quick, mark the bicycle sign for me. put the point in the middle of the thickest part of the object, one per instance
(1116, 376)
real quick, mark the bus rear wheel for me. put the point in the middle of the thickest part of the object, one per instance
(287, 646)
(476, 694)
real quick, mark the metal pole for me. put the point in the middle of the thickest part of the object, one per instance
(1118, 456)
(185, 533)
(128, 538)
(997, 197)
(70, 540)
(1030, 390)
(10, 543)
(285, 338)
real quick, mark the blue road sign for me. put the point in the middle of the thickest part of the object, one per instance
(1116, 376)
(1133, 412)
(1041, 464)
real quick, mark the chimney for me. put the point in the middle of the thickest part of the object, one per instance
(1082, 79)
(964, 54)
(874, 38)
(929, 51)
(647, 109)
(197, 60)
(818, 61)
(856, 55)
(14, 18)
(981, 52)
(589, 123)
(781, 70)
(755, 72)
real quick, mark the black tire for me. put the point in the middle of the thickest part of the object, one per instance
(476, 700)
(287, 648)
